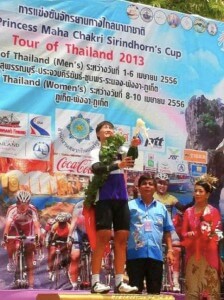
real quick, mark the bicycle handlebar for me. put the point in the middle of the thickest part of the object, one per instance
(59, 242)
(21, 237)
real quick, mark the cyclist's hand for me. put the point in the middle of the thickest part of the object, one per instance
(5, 238)
(70, 241)
(3, 244)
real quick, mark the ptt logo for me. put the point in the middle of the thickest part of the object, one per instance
(173, 157)
(155, 142)
(174, 154)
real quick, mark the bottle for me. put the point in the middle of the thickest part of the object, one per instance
(133, 151)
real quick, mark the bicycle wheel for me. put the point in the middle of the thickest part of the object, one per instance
(21, 271)
(55, 278)
(109, 269)
(84, 272)
(88, 271)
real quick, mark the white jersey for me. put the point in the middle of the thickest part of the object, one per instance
(22, 223)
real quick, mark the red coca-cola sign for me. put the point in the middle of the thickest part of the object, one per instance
(68, 164)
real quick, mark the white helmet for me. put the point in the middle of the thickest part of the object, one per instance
(61, 217)
(162, 176)
(69, 216)
(23, 197)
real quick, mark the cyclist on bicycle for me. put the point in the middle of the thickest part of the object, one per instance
(77, 236)
(22, 220)
(59, 233)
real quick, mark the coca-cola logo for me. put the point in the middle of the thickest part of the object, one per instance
(79, 167)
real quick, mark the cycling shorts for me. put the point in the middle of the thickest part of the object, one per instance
(112, 214)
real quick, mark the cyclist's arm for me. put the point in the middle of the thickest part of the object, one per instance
(73, 224)
(52, 233)
(36, 223)
(37, 229)
(7, 227)
(180, 206)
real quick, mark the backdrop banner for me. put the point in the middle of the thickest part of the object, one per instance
(67, 65)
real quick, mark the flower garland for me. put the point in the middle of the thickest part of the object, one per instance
(108, 153)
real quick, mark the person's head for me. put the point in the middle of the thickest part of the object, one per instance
(51, 221)
(103, 130)
(203, 188)
(162, 183)
(62, 218)
(23, 199)
(146, 185)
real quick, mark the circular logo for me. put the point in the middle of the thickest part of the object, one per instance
(212, 28)
(132, 11)
(79, 128)
(160, 17)
(146, 14)
(186, 23)
(41, 150)
(173, 20)
(199, 25)
(181, 168)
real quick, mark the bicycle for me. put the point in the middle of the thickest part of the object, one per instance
(60, 263)
(84, 266)
(107, 264)
(182, 270)
(21, 279)
(167, 284)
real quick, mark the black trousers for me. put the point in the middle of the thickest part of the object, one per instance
(147, 269)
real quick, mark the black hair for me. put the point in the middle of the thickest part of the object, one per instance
(207, 187)
(101, 124)
(144, 177)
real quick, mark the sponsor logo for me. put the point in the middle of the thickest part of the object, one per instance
(69, 164)
(200, 25)
(146, 14)
(41, 150)
(174, 154)
(198, 170)
(160, 17)
(38, 126)
(157, 142)
(132, 11)
(195, 156)
(79, 128)
(181, 168)
(151, 160)
(9, 121)
(173, 20)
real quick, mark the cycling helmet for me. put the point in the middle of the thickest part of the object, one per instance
(23, 197)
(69, 216)
(61, 217)
(162, 176)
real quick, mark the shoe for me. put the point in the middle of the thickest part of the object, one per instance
(10, 267)
(176, 288)
(100, 288)
(124, 288)
(50, 275)
(74, 286)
